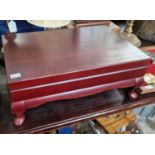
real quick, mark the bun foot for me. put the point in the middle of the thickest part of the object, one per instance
(133, 94)
(19, 120)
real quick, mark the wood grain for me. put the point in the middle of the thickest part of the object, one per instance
(69, 64)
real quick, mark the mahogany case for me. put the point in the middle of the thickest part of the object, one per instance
(69, 63)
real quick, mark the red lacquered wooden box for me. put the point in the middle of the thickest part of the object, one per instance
(66, 64)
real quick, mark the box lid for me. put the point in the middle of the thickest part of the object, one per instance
(39, 55)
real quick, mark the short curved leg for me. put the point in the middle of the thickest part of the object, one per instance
(18, 109)
(19, 120)
(132, 93)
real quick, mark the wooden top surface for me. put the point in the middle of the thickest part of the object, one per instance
(50, 53)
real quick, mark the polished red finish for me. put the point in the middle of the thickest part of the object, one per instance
(67, 64)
